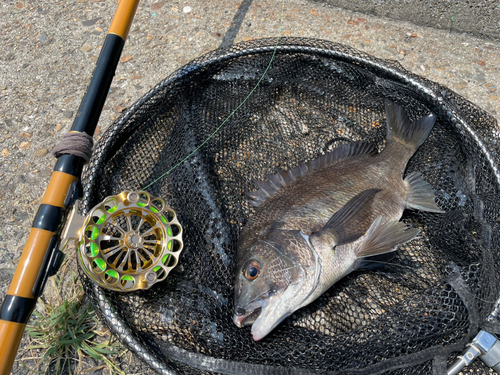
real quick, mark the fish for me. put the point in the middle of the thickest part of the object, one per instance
(321, 220)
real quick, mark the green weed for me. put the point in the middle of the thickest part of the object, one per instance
(65, 331)
(453, 16)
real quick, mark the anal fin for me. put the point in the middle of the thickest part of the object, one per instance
(384, 237)
(374, 262)
(421, 194)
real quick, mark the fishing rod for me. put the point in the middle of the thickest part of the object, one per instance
(42, 256)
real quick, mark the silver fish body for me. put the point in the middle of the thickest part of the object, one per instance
(316, 222)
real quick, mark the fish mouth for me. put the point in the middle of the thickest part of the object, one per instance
(249, 314)
(252, 314)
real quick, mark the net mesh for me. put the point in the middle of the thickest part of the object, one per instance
(405, 318)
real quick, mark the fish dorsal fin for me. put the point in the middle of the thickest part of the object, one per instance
(274, 183)
(345, 151)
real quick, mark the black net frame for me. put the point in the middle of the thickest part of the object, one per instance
(408, 317)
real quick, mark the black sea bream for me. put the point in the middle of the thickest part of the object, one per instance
(315, 223)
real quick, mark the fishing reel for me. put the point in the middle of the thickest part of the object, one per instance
(128, 242)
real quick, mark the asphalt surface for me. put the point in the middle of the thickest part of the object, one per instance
(450, 15)
(49, 49)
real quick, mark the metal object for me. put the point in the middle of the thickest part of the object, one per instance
(464, 360)
(127, 242)
(490, 347)
(486, 347)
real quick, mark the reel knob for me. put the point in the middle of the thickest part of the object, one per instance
(129, 241)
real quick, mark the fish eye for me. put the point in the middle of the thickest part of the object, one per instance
(251, 270)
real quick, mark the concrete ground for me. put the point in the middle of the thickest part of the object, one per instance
(49, 48)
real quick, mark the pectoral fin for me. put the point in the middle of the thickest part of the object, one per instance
(348, 223)
(384, 237)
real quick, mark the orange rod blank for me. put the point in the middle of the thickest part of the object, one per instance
(123, 18)
(58, 189)
(30, 263)
(10, 337)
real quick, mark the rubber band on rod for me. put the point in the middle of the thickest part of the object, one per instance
(75, 143)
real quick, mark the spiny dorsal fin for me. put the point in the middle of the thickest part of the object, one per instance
(274, 183)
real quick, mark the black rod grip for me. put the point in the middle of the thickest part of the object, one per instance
(95, 96)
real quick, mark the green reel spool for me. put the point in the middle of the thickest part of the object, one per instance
(129, 241)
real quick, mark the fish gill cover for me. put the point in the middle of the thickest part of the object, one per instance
(408, 317)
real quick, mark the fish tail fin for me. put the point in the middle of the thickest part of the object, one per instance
(383, 237)
(421, 195)
(401, 129)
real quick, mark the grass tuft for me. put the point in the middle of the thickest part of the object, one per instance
(65, 336)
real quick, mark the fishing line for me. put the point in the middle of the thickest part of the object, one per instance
(453, 16)
(456, 8)
(235, 110)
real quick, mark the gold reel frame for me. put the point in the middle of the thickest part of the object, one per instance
(130, 242)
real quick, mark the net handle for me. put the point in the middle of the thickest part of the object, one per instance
(41, 256)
